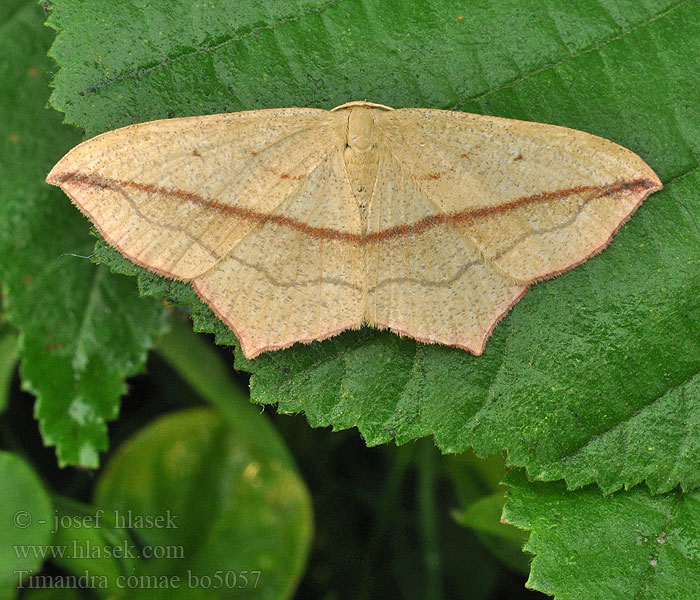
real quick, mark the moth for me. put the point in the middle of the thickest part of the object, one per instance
(294, 224)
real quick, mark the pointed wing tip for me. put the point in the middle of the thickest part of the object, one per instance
(250, 347)
(477, 351)
(475, 347)
(652, 181)
(58, 174)
(52, 177)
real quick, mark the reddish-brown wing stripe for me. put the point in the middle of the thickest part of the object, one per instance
(595, 191)
(95, 181)
(465, 216)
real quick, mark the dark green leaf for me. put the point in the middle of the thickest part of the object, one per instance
(83, 330)
(628, 545)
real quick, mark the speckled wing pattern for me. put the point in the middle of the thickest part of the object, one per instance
(295, 224)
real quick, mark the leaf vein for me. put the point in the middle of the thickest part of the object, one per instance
(558, 63)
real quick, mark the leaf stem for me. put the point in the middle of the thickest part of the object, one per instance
(202, 367)
(427, 465)
(386, 514)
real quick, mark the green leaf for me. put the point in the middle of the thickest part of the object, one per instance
(25, 522)
(594, 375)
(82, 329)
(193, 463)
(87, 540)
(628, 545)
(481, 497)
(504, 540)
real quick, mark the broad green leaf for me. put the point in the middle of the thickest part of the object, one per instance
(82, 329)
(594, 375)
(230, 504)
(25, 522)
(628, 545)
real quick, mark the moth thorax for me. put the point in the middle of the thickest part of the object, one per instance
(361, 130)
(361, 156)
